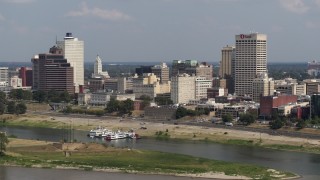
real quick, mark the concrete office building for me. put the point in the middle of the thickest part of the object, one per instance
(250, 59)
(52, 72)
(202, 85)
(149, 85)
(4, 75)
(73, 51)
(182, 88)
(312, 86)
(227, 56)
(226, 70)
(262, 86)
(161, 71)
(192, 67)
(25, 73)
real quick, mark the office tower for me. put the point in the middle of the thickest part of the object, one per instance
(250, 59)
(262, 86)
(227, 55)
(97, 70)
(51, 71)
(315, 105)
(143, 69)
(25, 73)
(183, 88)
(202, 84)
(4, 75)
(161, 71)
(226, 70)
(73, 51)
(192, 67)
(180, 67)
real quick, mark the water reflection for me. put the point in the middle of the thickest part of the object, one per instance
(301, 163)
(14, 173)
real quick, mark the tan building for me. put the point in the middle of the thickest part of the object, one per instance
(202, 85)
(227, 56)
(150, 85)
(192, 67)
(289, 86)
(312, 86)
(262, 86)
(250, 60)
(162, 72)
(182, 88)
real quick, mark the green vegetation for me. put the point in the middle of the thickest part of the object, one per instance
(122, 107)
(97, 112)
(3, 143)
(162, 135)
(227, 118)
(136, 161)
(182, 112)
(247, 118)
(294, 148)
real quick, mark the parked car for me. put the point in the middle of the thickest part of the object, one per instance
(228, 123)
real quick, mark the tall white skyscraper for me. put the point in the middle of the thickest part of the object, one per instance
(250, 60)
(73, 50)
(97, 70)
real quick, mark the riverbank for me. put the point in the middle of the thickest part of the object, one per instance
(97, 157)
(169, 131)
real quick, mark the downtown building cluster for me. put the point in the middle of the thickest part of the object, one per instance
(242, 80)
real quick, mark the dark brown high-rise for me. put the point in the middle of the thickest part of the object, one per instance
(52, 72)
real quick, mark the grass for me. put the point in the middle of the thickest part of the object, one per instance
(136, 161)
(160, 135)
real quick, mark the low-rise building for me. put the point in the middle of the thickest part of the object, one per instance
(268, 103)
(234, 111)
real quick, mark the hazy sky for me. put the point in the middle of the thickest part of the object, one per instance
(159, 30)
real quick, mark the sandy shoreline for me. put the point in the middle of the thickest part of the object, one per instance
(180, 131)
(175, 131)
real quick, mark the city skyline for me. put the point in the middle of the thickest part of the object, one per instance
(156, 31)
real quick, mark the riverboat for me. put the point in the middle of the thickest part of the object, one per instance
(99, 132)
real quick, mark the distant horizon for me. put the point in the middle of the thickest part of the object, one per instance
(162, 30)
(148, 63)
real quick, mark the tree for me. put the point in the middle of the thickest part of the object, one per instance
(145, 101)
(11, 107)
(3, 142)
(126, 106)
(276, 124)
(301, 124)
(2, 108)
(181, 112)
(53, 96)
(227, 118)
(112, 106)
(65, 96)
(39, 96)
(21, 108)
(247, 119)
(3, 97)
(20, 94)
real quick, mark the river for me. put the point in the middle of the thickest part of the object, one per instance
(304, 164)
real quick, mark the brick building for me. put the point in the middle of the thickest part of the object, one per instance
(268, 103)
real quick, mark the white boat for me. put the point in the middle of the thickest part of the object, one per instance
(99, 132)
(111, 136)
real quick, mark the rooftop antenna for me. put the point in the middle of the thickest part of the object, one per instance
(56, 40)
